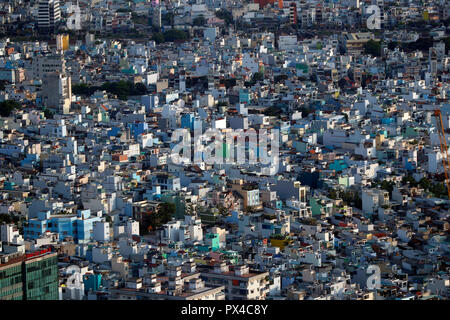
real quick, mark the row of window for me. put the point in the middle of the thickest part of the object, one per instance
(10, 272)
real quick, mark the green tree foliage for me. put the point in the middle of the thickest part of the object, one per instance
(332, 194)
(222, 210)
(48, 114)
(425, 183)
(199, 21)
(272, 111)
(373, 47)
(349, 197)
(447, 42)
(174, 34)
(258, 76)
(388, 186)
(438, 190)
(158, 37)
(280, 78)
(7, 106)
(140, 19)
(5, 218)
(229, 83)
(154, 220)
(409, 179)
(422, 44)
(305, 110)
(124, 10)
(123, 89)
(168, 19)
(170, 36)
(225, 15)
(84, 89)
(392, 45)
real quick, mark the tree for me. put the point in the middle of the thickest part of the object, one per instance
(174, 34)
(425, 183)
(273, 111)
(158, 37)
(280, 78)
(199, 21)
(392, 45)
(124, 10)
(409, 179)
(388, 186)
(225, 15)
(154, 220)
(83, 89)
(5, 218)
(447, 41)
(305, 110)
(168, 19)
(332, 194)
(258, 76)
(373, 47)
(7, 106)
(438, 190)
(170, 36)
(48, 114)
(222, 210)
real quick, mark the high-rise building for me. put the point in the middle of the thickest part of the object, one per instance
(40, 277)
(156, 17)
(57, 91)
(32, 276)
(49, 15)
(56, 83)
(293, 13)
(11, 280)
(48, 63)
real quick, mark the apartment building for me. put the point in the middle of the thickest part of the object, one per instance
(240, 283)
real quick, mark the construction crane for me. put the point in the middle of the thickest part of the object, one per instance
(443, 146)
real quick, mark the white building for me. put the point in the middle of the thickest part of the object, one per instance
(49, 14)
(9, 233)
(101, 231)
(287, 43)
(372, 199)
(132, 228)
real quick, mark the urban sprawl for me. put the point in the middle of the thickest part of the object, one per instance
(224, 150)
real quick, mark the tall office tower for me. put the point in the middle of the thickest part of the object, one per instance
(49, 15)
(32, 276)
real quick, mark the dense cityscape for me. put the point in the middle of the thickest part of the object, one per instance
(224, 150)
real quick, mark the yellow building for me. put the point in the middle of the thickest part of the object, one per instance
(62, 42)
